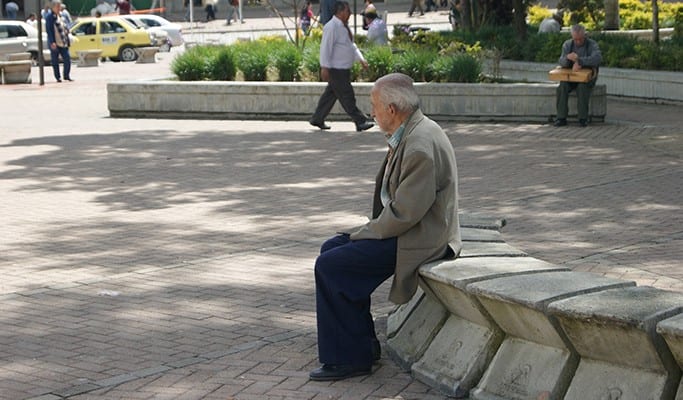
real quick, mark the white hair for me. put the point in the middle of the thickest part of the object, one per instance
(397, 89)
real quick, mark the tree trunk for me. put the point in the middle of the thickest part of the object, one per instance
(655, 21)
(466, 15)
(612, 15)
(520, 18)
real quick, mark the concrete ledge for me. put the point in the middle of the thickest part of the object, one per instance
(614, 333)
(15, 71)
(146, 55)
(658, 86)
(672, 331)
(89, 58)
(527, 102)
(499, 325)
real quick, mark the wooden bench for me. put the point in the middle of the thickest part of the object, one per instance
(15, 71)
(146, 55)
(89, 58)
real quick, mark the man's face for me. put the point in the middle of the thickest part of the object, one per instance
(579, 38)
(384, 115)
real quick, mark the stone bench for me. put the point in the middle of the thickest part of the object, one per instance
(672, 331)
(89, 58)
(146, 55)
(622, 356)
(496, 324)
(23, 56)
(525, 102)
(15, 71)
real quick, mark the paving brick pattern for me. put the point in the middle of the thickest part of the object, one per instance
(172, 259)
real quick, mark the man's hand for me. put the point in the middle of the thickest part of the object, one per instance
(573, 57)
(364, 64)
(53, 46)
(324, 74)
(576, 66)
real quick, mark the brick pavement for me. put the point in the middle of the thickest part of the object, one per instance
(154, 259)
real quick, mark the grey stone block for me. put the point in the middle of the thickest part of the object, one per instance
(480, 235)
(400, 314)
(457, 357)
(672, 331)
(483, 249)
(409, 343)
(615, 334)
(536, 359)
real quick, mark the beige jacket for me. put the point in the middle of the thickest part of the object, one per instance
(423, 212)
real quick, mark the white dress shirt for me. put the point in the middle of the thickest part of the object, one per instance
(337, 50)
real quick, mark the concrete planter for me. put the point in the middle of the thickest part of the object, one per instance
(525, 102)
(656, 86)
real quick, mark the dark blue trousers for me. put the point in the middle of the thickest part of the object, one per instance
(346, 274)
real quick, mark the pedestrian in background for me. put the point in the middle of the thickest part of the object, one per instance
(337, 55)
(58, 40)
(11, 10)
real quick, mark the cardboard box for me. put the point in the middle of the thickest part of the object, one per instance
(567, 74)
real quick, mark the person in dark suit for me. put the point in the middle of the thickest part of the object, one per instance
(337, 55)
(58, 40)
(414, 221)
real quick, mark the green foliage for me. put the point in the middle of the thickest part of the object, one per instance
(253, 60)
(193, 64)
(221, 66)
(416, 62)
(380, 60)
(286, 58)
(462, 67)
(311, 59)
(537, 13)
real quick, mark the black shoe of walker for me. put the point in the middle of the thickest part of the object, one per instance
(364, 126)
(583, 123)
(560, 122)
(320, 125)
(330, 372)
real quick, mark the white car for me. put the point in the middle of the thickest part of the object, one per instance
(155, 22)
(18, 37)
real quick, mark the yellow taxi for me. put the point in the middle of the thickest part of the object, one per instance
(116, 37)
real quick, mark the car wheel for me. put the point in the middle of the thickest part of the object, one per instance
(165, 48)
(127, 53)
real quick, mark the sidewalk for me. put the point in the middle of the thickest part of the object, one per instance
(172, 259)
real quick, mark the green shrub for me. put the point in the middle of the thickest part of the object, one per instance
(286, 59)
(380, 60)
(462, 67)
(222, 64)
(416, 64)
(193, 65)
(252, 59)
(311, 60)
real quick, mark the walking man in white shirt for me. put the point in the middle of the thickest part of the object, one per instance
(337, 55)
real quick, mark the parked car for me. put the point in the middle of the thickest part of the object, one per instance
(18, 37)
(116, 37)
(160, 37)
(155, 22)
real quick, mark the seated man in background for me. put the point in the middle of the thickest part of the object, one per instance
(577, 52)
(377, 29)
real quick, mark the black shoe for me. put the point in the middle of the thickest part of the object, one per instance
(68, 79)
(59, 80)
(330, 372)
(364, 126)
(376, 350)
(583, 123)
(320, 125)
(560, 122)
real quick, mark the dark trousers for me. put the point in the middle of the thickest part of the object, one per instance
(338, 88)
(66, 59)
(583, 94)
(346, 274)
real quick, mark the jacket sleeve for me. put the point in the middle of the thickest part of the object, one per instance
(414, 196)
(566, 49)
(593, 57)
(327, 44)
(50, 28)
